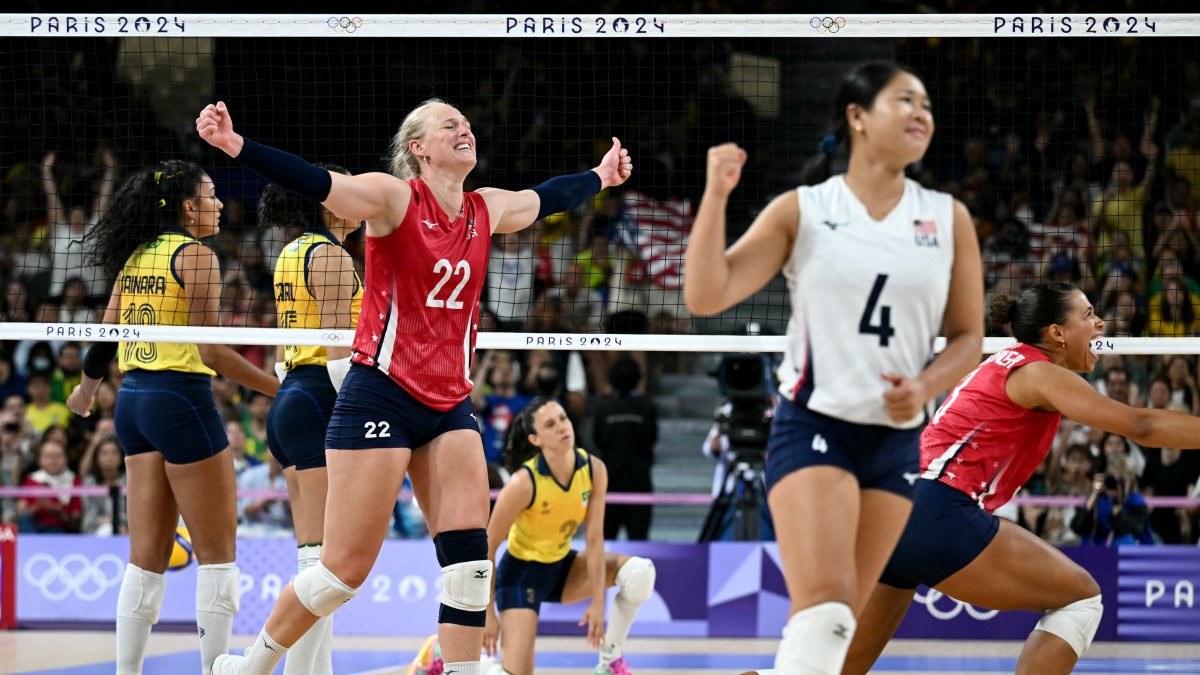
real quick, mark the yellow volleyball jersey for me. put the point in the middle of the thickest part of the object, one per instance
(543, 531)
(294, 301)
(153, 295)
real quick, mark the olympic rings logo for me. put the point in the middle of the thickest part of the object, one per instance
(930, 601)
(827, 24)
(331, 337)
(344, 24)
(75, 574)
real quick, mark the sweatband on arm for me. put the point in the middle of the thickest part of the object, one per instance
(95, 362)
(566, 192)
(286, 170)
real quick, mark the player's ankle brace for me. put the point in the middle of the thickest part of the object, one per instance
(466, 577)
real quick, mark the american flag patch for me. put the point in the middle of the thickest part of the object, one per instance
(927, 227)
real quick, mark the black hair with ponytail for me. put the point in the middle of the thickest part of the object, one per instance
(860, 87)
(517, 448)
(1031, 311)
(282, 208)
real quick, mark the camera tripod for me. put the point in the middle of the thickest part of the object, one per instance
(739, 512)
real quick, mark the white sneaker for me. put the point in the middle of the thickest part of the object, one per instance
(227, 664)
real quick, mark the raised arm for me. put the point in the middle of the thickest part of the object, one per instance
(108, 181)
(377, 198)
(715, 279)
(55, 213)
(198, 268)
(515, 211)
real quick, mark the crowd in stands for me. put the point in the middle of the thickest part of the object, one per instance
(1100, 188)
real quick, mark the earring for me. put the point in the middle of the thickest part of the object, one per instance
(1062, 343)
(858, 128)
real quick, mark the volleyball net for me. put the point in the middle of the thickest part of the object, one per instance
(1070, 138)
(1074, 141)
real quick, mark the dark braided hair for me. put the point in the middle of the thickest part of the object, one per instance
(280, 208)
(146, 204)
(517, 448)
(860, 86)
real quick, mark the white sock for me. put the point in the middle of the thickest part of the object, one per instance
(816, 640)
(462, 668)
(218, 594)
(311, 655)
(262, 656)
(138, 604)
(635, 579)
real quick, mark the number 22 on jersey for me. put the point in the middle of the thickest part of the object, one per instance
(447, 270)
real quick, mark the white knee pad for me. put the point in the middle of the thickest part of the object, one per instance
(1076, 623)
(816, 640)
(636, 578)
(141, 594)
(320, 591)
(467, 585)
(218, 589)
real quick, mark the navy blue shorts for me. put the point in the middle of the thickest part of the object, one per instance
(523, 584)
(372, 411)
(169, 412)
(946, 531)
(298, 417)
(880, 457)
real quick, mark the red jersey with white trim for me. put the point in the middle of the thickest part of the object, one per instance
(980, 442)
(420, 304)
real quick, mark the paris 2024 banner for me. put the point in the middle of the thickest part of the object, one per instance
(722, 589)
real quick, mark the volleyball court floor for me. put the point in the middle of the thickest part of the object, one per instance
(91, 653)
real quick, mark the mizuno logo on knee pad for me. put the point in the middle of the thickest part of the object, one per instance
(481, 574)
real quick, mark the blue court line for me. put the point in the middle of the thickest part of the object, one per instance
(367, 661)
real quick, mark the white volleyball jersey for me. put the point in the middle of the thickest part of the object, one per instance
(867, 297)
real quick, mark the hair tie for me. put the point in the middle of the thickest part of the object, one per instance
(157, 177)
(162, 203)
(828, 144)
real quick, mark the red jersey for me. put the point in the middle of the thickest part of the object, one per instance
(420, 306)
(980, 442)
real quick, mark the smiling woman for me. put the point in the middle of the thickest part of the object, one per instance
(403, 405)
(877, 267)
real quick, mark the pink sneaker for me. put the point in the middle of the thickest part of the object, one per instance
(428, 660)
(618, 667)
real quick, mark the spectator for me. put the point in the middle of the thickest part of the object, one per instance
(254, 424)
(510, 279)
(13, 458)
(1116, 512)
(242, 459)
(11, 382)
(107, 461)
(1175, 312)
(17, 301)
(1173, 475)
(267, 516)
(73, 309)
(60, 513)
(497, 401)
(42, 411)
(69, 372)
(69, 225)
(625, 430)
(582, 307)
